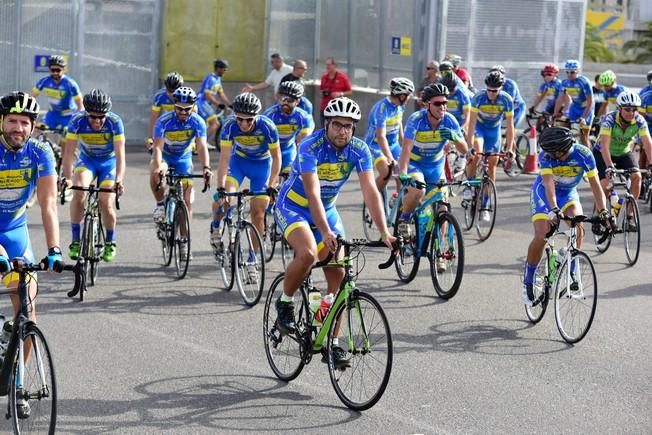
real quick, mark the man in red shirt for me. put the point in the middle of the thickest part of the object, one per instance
(334, 84)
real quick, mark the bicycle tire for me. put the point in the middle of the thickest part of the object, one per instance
(250, 291)
(40, 391)
(541, 290)
(284, 351)
(602, 247)
(469, 212)
(98, 244)
(270, 235)
(181, 221)
(632, 239)
(409, 250)
(447, 281)
(575, 308)
(168, 243)
(226, 264)
(489, 188)
(371, 233)
(363, 332)
(287, 253)
(522, 150)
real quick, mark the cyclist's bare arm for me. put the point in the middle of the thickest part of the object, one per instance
(224, 99)
(538, 101)
(223, 166)
(68, 158)
(470, 133)
(589, 106)
(548, 181)
(202, 150)
(120, 164)
(152, 120)
(605, 143)
(79, 102)
(404, 158)
(598, 193)
(466, 112)
(157, 154)
(276, 166)
(509, 133)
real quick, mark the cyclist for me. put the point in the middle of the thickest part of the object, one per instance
(326, 160)
(563, 164)
(210, 89)
(100, 135)
(447, 68)
(598, 96)
(250, 148)
(577, 90)
(488, 108)
(548, 91)
(298, 71)
(459, 103)
(385, 128)
(646, 111)
(292, 123)
(618, 130)
(611, 89)
(423, 155)
(162, 103)
(174, 134)
(513, 91)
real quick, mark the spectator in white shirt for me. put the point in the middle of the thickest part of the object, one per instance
(279, 70)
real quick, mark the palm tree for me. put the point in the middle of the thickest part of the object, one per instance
(641, 47)
(595, 49)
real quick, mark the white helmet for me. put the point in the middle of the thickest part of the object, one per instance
(401, 86)
(344, 107)
(629, 99)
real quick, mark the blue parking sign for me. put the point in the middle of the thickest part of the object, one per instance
(396, 45)
(41, 62)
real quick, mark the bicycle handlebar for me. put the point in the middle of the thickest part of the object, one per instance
(573, 220)
(396, 246)
(246, 192)
(19, 265)
(91, 189)
(173, 177)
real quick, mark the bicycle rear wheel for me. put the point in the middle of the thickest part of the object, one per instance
(97, 243)
(469, 212)
(270, 235)
(226, 260)
(541, 289)
(602, 247)
(38, 389)
(522, 150)
(407, 262)
(284, 352)
(181, 239)
(370, 230)
(446, 256)
(363, 333)
(487, 204)
(632, 238)
(250, 264)
(287, 253)
(576, 297)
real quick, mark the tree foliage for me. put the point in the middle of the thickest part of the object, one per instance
(595, 48)
(640, 48)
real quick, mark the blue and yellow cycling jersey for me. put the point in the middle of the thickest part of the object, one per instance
(428, 148)
(578, 90)
(458, 101)
(161, 102)
(61, 95)
(289, 126)
(646, 103)
(491, 113)
(550, 91)
(306, 105)
(512, 89)
(384, 114)
(621, 138)
(253, 145)
(567, 174)
(178, 136)
(611, 94)
(96, 143)
(212, 84)
(19, 171)
(333, 167)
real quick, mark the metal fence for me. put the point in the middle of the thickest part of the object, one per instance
(113, 45)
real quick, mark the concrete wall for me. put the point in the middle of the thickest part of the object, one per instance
(631, 75)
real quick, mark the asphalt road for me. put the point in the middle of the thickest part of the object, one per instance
(146, 353)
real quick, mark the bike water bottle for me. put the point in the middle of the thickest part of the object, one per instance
(615, 202)
(170, 210)
(422, 218)
(324, 307)
(554, 261)
(314, 299)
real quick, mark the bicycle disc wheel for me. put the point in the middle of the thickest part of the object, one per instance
(250, 264)
(284, 352)
(487, 204)
(576, 296)
(446, 256)
(370, 231)
(225, 262)
(270, 235)
(407, 262)
(632, 238)
(181, 240)
(363, 333)
(602, 247)
(541, 289)
(39, 388)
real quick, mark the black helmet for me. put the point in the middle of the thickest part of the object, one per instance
(448, 80)
(56, 60)
(97, 101)
(555, 139)
(173, 80)
(649, 76)
(291, 88)
(434, 90)
(19, 103)
(495, 79)
(221, 63)
(246, 103)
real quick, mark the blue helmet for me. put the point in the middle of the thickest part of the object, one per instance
(572, 65)
(184, 94)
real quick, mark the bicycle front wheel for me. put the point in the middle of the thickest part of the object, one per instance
(407, 262)
(487, 204)
(541, 289)
(362, 338)
(284, 352)
(181, 239)
(33, 405)
(370, 231)
(164, 230)
(446, 256)
(576, 297)
(287, 253)
(602, 247)
(97, 244)
(631, 231)
(225, 260)
(270, 236)
(250, 264)
(469, 207)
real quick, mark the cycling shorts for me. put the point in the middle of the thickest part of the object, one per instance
(287, 158)
(626, 161)
(539, 208)
(489, 136)
(257, 171)
(289, 216)
(377, 154)
(103, 169)
(56, 120)
(206, 110)
(575, 113)
(17, 244)
(430, 174)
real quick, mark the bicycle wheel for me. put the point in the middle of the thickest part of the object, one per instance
(363, 333)
(287, 253)
(407, 262)
(370, 231)
(270, 235)
(602, 247)
(165, 233)
(487, 204)
(225, 262)
(576, 296)
(522, 150)
(469, 212)
(181, 239)
(97, 244)
(632, 238)
(284, 352)
(38, 389)
(250, 263)
(446, 256)
(541, 289)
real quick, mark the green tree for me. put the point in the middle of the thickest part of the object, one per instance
(640, 48)
(595, 49)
